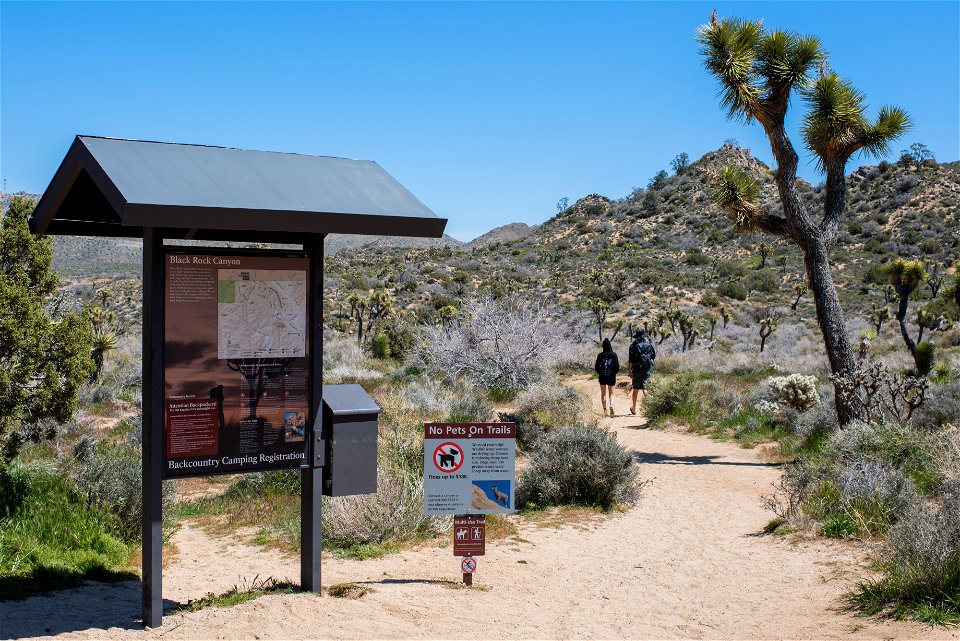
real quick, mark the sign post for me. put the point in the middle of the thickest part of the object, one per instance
(469, 471)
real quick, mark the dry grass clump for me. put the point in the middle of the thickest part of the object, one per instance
(393, 513)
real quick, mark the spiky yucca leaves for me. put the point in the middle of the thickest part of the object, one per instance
(736, 192)
(906, 273)
(757, 69)
(836, 127)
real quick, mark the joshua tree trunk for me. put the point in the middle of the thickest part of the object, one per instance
(813, 240)
(904, 293)
(830, 319)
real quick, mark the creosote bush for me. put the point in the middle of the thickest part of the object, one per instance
(671, 396)
(578, 466)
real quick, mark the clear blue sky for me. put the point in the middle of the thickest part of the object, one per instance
(488, 112)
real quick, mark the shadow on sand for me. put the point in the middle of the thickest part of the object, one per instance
(656, 458)
(91, 606)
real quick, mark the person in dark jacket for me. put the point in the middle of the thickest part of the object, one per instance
(607, 366)
(642, 355)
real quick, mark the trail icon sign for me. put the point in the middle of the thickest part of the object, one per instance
(468, 565)
(469, 535)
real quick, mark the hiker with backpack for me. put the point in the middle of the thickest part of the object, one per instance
(642, 355)
(607, 366)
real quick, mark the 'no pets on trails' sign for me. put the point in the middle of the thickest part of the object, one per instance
(469, 468)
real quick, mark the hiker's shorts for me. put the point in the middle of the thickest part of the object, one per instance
(640, 378)
(608, 380)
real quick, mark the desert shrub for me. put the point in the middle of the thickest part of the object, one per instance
(503, 345)
(795, 391)
(470, 407)
(272, 482)
(941, 408)
(546, 407)
(671, 396)
(345, 362)
(817, 422)
(578, 466)
(863, 479)
(921, 565)
(765, 281)
(696, 257)
(732, 289)
(109, 478)
(393, 513)
(380, 345)
(709, 299)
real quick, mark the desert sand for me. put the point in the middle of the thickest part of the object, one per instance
(686, 561)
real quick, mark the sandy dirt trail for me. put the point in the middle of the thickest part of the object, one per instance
(685, 562)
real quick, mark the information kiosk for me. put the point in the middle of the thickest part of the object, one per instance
(233, 338)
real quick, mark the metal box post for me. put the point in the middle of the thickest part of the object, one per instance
(350, 426)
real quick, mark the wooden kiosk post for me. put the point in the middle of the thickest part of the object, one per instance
(172, 192)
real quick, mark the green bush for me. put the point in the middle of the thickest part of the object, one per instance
(578, 466)
(671, 396)
(380, 345)
(732, 289)
(51, 537)
(766, 282)
(110, 477)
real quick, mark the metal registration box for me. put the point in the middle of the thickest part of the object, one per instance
(350, 427)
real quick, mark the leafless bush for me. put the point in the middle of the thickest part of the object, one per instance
(880, 393)
(345, 362)
(502, 345)
(942, 408)
(394, 512)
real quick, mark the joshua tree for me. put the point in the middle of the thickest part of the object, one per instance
(712, 319)
(725, 315)
(906, 276)
(799, 289)
(104, 340)
(879, 316)
(935, 280)
(763, 250)
(358, 309)
(759, 71)
(768, 325)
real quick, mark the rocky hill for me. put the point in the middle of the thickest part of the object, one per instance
(662, 245)
(504, 234)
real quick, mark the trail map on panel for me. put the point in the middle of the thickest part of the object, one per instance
(261, 313)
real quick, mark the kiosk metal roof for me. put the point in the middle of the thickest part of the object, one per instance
(116, 187)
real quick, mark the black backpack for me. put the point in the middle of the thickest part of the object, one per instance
(606, 364)
(639, 356)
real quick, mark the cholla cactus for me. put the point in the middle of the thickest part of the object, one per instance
(795, 391)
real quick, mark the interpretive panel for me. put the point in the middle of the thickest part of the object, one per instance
(236, 372)
(469, 468)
